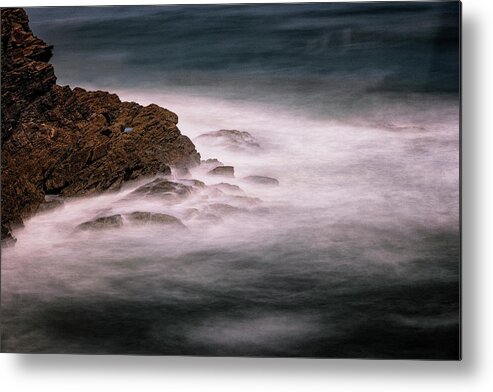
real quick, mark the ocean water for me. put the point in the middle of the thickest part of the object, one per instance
(355, 254)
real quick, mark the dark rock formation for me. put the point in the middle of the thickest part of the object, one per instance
(26, 74)
(227, 188)
(208, 219)
(49, 205)
(262, 180)
(223, 209)
(57, 140)
(246, 200)
(140, 217)
(190, 213)
(105, 222)
(163, 188)
(7, 238)
(137, 217)
(212, 161)
(230, 139)
(210, 164)
(225, 171)
(192, 182)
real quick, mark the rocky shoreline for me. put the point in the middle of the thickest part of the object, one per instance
(69, 142)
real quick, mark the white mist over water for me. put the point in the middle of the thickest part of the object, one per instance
(358, 204)
(402, 160)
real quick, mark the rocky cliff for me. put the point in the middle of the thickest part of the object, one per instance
(58, 140)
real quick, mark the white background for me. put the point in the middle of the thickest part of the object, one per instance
(125, 373)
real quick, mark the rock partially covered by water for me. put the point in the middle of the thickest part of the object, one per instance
(7, 238)
(162, 187)
(246, 200)
(49, 205)
(143, 217)
(105, 222)
(208, 219)
(228, 188)
(230, 139)
(223, 209)
(26, 73)
(225, 171)
(211, 163)
(58, 140)
(193, 183)
(262, 180)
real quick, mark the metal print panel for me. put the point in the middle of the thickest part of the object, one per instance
(275, 180)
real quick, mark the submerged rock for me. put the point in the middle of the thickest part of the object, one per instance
(211, 163)
(161, 187)
(8, 238)
(225, 171)
(228, 188)
(192, 182)
(105, 222)
(208, 218)
(230, 139)
(223, 209)
(262, 180)
(143, 217)
(247, 200)
(49, 205)
(181, 172)
(189, 213)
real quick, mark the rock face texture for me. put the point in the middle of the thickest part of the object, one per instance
(62, 141)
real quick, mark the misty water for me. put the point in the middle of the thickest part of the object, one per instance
(354, 254)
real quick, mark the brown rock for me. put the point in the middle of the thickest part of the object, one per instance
(223, 209)
(225, 171)
(57, 140)
(211, 163)
(208, 219)
(193, 183)
(105, 222)
(7, 238)
(262, 180)
(49, 205)
(161, 187)
(246, 200)
(228, 188)
(141, 217)
(230, 139)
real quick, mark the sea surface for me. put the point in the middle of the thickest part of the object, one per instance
(355, 254)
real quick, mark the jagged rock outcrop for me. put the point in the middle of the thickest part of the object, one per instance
(58, 140)
(26, 73)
